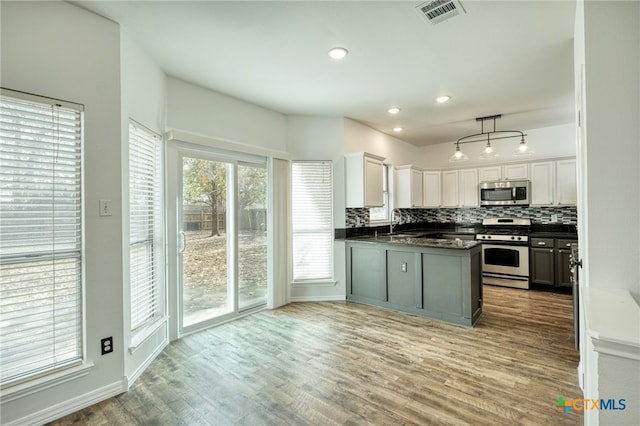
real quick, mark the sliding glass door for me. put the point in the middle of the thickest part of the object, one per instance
(252, 235)
(205, 241)
(221, 244)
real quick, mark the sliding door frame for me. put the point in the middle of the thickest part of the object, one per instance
(176, 152)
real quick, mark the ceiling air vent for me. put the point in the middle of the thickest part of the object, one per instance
(436, 11)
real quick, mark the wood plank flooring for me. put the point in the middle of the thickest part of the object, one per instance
(346, 363)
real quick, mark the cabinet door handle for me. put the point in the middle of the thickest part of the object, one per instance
(540, 243)
(568, 244)
(551, 251)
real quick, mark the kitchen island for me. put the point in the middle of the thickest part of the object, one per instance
(435, 278)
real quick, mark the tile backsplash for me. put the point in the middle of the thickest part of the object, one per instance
(566, 215)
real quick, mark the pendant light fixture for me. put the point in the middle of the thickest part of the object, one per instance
(489, 152)
(523, 149)
(458, 155)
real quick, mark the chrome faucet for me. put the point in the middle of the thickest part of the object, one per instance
(391, 224)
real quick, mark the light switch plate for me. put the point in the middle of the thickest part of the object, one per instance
(105, 208)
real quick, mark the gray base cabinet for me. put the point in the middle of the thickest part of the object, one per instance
(369, 282)
(444, 284)
(550, 261)
(403, 279)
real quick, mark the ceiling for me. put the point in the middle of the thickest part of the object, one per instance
(513, 58)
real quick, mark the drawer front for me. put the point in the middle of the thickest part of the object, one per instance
(565, 243)
(542, 242)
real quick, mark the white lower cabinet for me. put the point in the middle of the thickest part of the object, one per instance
(431, 188)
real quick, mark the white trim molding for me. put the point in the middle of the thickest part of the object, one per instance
(612, 319)
(70, 406)
(218, 143)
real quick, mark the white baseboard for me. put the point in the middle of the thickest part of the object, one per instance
(70, 406)
(130, 380)
(581, 376)
(330, 298)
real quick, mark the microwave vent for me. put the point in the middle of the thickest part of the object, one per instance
(436, 11)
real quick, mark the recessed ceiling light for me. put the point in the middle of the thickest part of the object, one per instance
(443, 99)
(338, 53)
(398, 129)
(393, 110)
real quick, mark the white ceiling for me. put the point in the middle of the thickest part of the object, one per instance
(502, 57)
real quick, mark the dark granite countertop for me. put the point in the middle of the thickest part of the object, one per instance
(417, 240)
(567, 235)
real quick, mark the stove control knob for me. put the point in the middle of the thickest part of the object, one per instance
(489, 236)
(519, 238)
(513, 238)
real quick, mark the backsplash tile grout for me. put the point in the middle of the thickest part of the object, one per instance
(566, 215)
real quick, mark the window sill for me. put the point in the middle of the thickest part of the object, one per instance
(314, 283)
(22, 389)
(384, 222)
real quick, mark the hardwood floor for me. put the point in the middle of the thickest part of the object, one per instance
(345, 363)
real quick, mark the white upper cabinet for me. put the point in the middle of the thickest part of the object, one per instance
(515, 172)
(364, 178)
(408, 187)
(431, 189)
(469, 188)
(542, 183)
(554, 183)
(450, 188)
(490, 174)
(566, 188)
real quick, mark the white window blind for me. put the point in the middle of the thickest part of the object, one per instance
(382, 213)
(40, 235)
(312, 220)
(145, 222)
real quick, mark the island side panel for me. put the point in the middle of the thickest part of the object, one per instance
(475, 285)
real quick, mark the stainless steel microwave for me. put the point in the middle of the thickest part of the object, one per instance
(505, 193)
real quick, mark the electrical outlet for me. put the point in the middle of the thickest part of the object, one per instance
(105, 208)
(403, 267)
(106, 345)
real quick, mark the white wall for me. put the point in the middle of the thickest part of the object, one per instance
(58, 50)
(212, 114)
(612, 72)
(607, 56)
(361, 138)
(143, 100)
(546, 142)
(322, 138)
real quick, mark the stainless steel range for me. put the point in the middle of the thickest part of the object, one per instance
(505, 252)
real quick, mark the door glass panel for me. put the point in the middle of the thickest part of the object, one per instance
(205, 279)
(252, 235)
